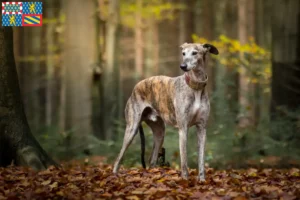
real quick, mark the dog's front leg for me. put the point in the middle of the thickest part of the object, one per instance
(183, 152)
(201, 133)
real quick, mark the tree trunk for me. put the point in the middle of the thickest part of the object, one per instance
(97, 72)
(79, 61)
(111, 71)
(186, 21)
(230, 22)
(17, 144)
(155, 35)
(262, 36)
(208, 27)
(230, 27)
(207, 21)
(149, 44)
(286, 63)
(49, 63)
(244, 119)
(35, 78)
(254, 87)
(62, 78)
(139, 45)
(101, 53)
(220, 103)
(186, 24)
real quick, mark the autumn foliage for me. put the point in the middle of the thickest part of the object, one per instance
(98, 182)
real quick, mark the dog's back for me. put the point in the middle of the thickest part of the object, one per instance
(157, 92)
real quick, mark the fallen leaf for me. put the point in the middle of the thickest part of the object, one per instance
(46, 182)
(53, 185)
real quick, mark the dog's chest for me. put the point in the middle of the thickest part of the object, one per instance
(200, 108)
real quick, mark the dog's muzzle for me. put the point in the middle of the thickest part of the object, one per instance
(183, 66)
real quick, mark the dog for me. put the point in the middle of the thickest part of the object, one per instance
(180, 101)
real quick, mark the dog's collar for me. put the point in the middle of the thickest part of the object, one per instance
(196, 85)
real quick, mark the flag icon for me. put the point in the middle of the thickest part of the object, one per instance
(22, 13)
(11, 20)
(32, 8)
(12, 8)
(32, 20)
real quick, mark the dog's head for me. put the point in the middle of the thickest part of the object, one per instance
(194, 54)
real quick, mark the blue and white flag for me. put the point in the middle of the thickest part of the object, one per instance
(22, 13)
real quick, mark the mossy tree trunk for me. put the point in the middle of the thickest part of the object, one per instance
(17, 144)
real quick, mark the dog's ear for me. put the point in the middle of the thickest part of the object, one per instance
(183, 45)
(211, 48)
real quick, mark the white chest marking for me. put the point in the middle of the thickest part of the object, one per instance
(199, 108)
(197, 103)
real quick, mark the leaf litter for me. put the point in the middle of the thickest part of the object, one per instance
(98, 182)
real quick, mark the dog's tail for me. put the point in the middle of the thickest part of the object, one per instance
(142, 136)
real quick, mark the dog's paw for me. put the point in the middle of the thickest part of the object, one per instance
(201, 179)
(185, 175)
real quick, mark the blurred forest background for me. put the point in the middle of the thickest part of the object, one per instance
(77, 71)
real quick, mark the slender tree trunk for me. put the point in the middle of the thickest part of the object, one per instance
(231, 17)
(208, 19)
(182, 24)
(186, 24)
(221, 105)
(102, 51)
(97, 72)
(61, 74)
(186, 21)
(62, 78)
(244, 119)
(149, 49)
(35, 78)
(156, 48)
(19, 56)
(232, 78)
(208, 28)
(139, 45)
(207, 22)
(286, 66)
(30, 77)
(251, 18)
(152, 49)
(262, 37)
(17, 144)
(79, 60)
(49, 63)
(111, 72)
(254, 87)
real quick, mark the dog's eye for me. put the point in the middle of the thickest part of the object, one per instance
(183, 53)
(194, 53)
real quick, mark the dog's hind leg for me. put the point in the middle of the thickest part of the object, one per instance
(131, 131)
(158, 129)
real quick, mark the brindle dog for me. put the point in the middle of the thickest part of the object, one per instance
(181, 102)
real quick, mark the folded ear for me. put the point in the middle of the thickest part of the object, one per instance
(211, 48)
(183, 45)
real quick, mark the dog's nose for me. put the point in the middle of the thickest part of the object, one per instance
(183, 66)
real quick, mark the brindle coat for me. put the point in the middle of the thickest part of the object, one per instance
(181, 102)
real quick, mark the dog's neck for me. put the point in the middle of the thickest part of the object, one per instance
(196, 78)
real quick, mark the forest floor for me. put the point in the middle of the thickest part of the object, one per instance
(76, 181)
